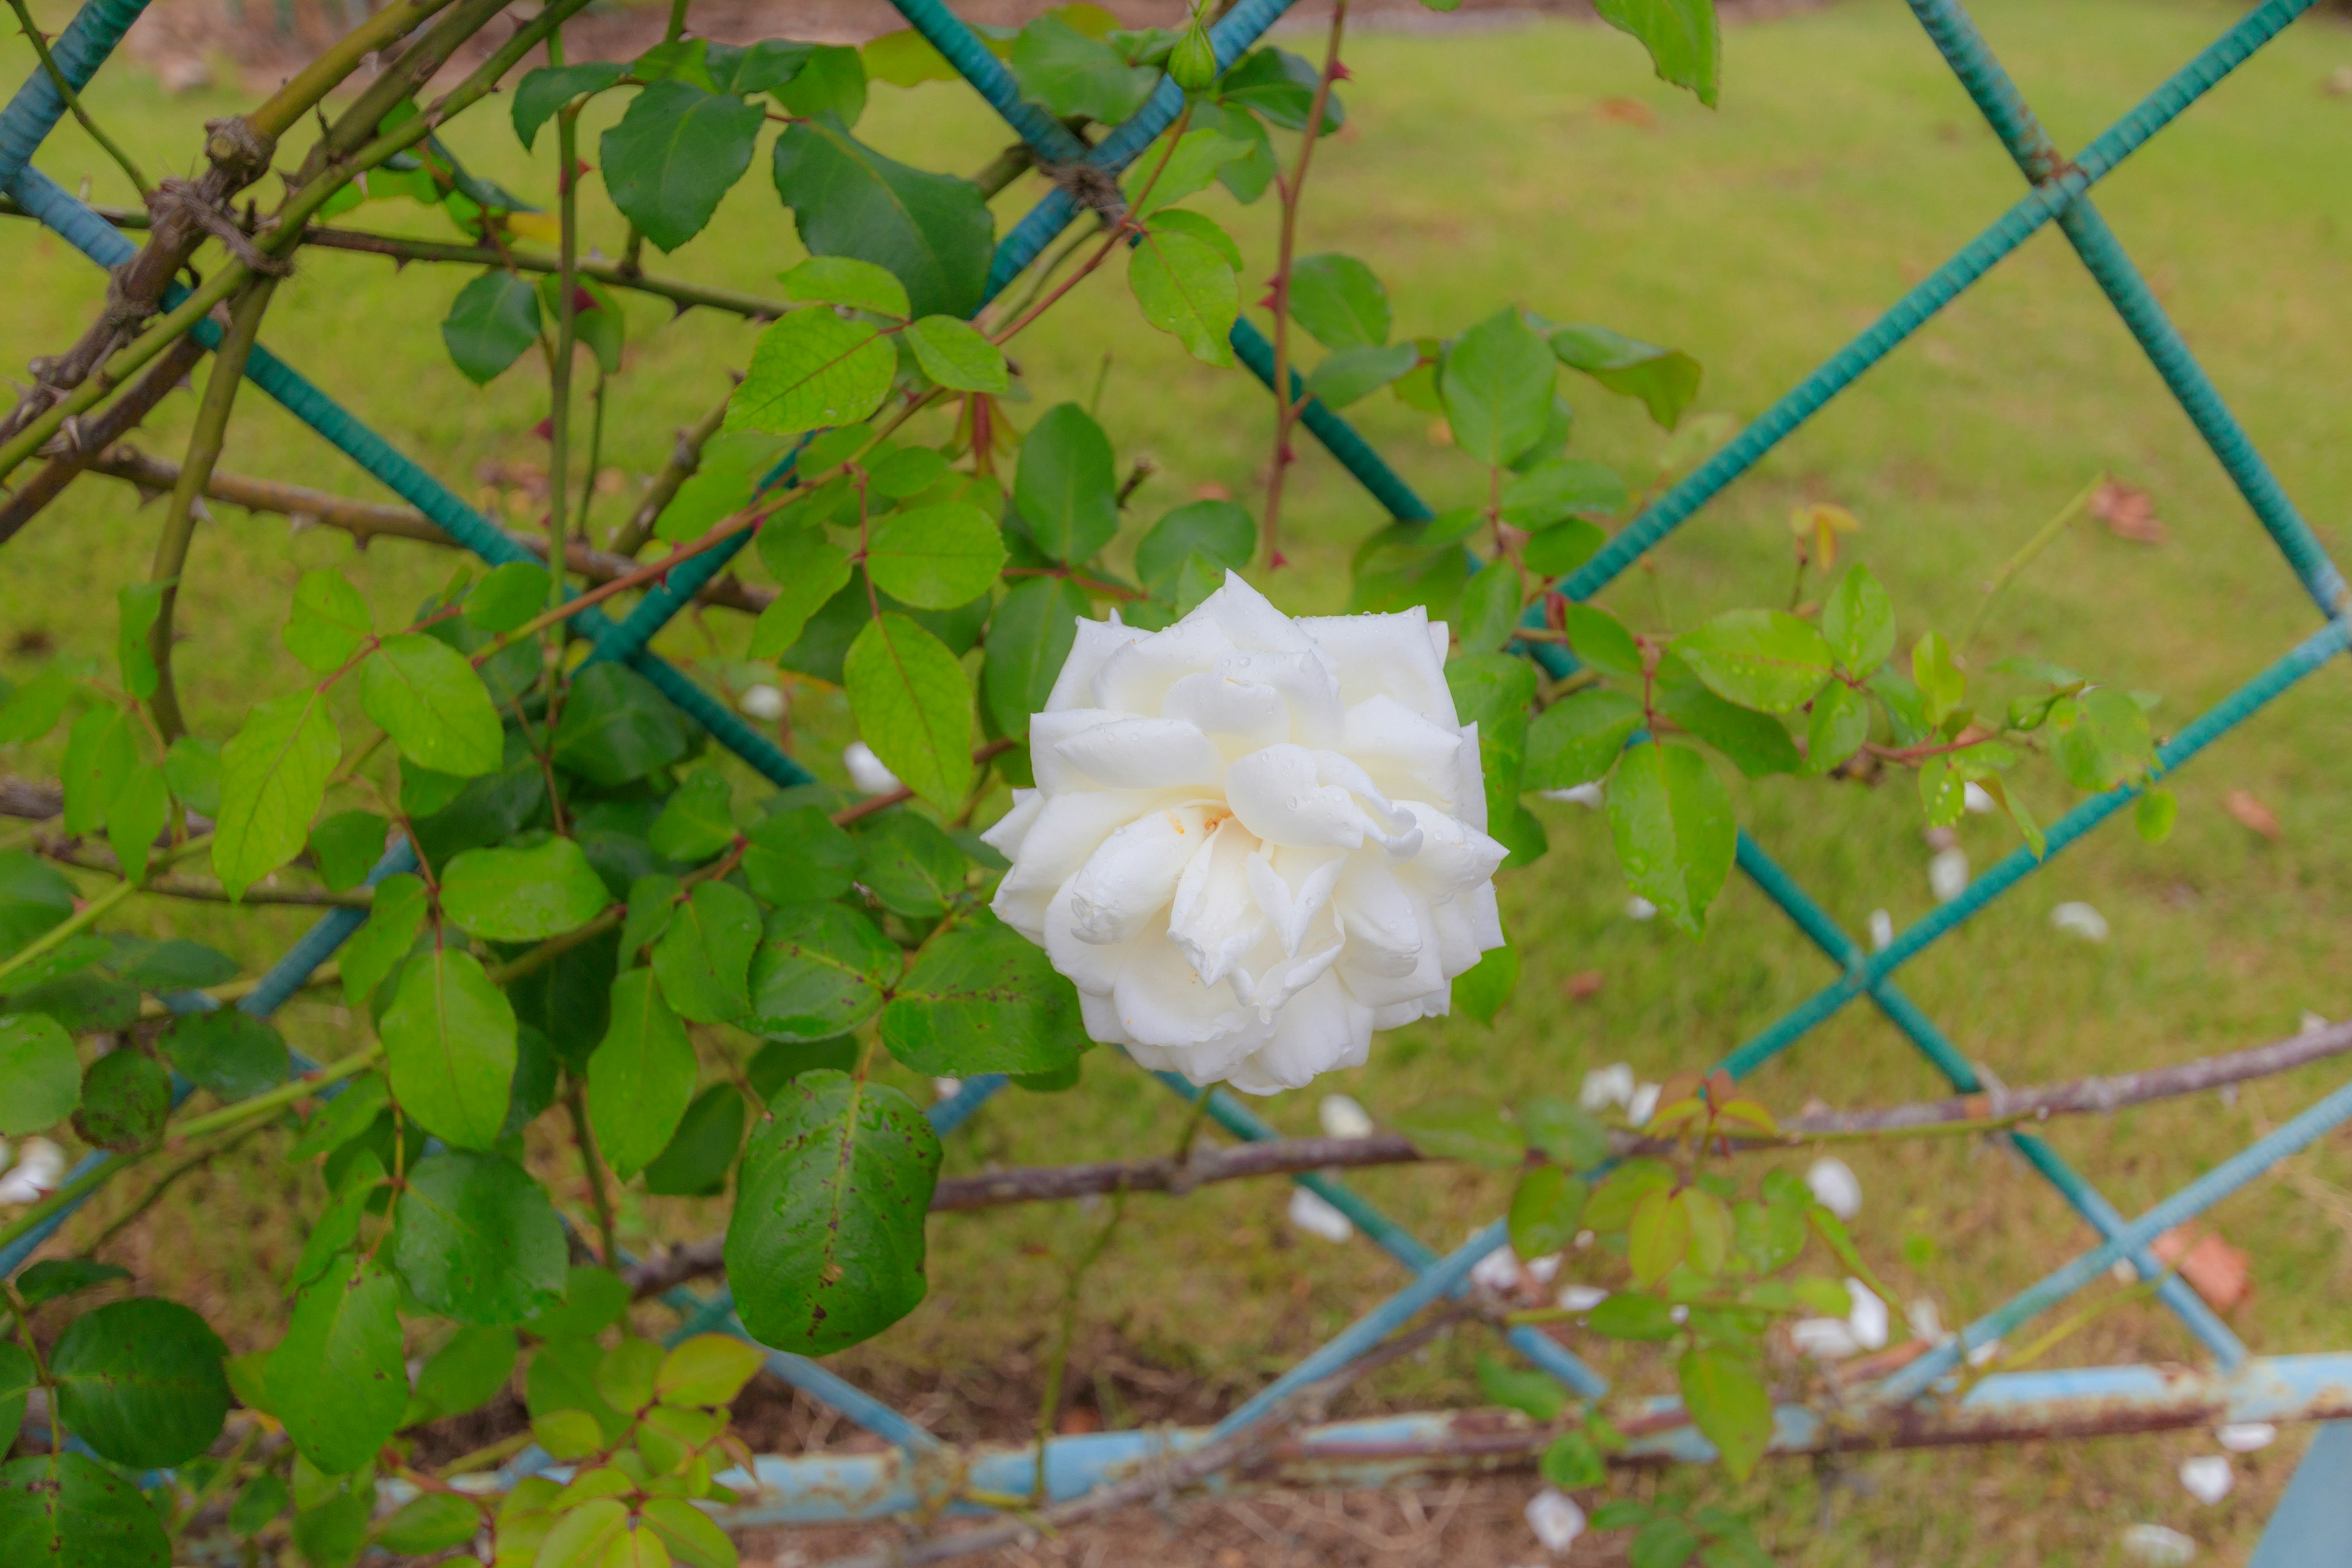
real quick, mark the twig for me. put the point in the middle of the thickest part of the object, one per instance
(73, 99)
(2043, 537)
(162, 1184)
(685, 458)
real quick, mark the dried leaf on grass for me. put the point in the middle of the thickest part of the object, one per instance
(2128, 511)
(2250, 813)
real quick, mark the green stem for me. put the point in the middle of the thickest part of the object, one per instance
(595, 455)
(575, 1099)
(79, 921)
(179, 522)
(285, 108)
(73, 99)
(1049, 1402)
(2043, 537)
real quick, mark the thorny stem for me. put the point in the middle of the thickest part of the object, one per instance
(2043, 537)
(1119, 233)
(73, 99)
(82, 920)
(592, 1163)
(179, 522)
(685, 458)
(1286, 407)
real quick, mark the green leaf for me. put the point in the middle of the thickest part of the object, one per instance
(69, 1511)
(1339, 302)
(345, 1117)
(1859, 622)
(1029, 638)
(617, 727)
(674, 155)
(1564, 1131)
(1069, 73)
(593, 1300)
(1710, 1223)
(2155, 814)
(467, 1372)
(1220, 534)
(100, 754)
(434, 1522)
(449, 1043)
(809, 570)
(1497, 382)
(1551, 492)
(17, 1380)
(1184, 287)
(1724, 1391)
(936, 557)
(543, 92)
(476, 1240)
(40, 1077)
(1067, 488)
(1347, 375)
(698, 1155)
(125, 1095)
(824, 1246)
(933, 231)
(845, 280)
(1838, 725)
(1628, 1315)
(1941, 684)
(347, 845)
(140, 1382)
(1662, 1540)
(820, 972)
(1486, 987)
(355, 1190)
(52, 1280)
(642, 1076)
(33, 707)
(493, 320)
(337, 1380)
(983, 998)
(697, 821)
(1657, 1237)
(508, 596)
(1681, 38)
(831, 81)
(1665, 380)
(956, 355)
(707, 1369)
(522, 894)
(424, 694)
(1489, 609)
(1545, 1209)
(1524, 1389)
(1493, 690)
(1571, 1463)
(813, 369)
(703, 960)
(1756, 743)
(906, 58)
(799, 856)
(913, 706)
(1280, 86)
(1578, 739)
(1199, 155)
(228, 1050)
(394, 920)
(142, 810)
(34, 896)
(915, 870)
(1463, 1127)
(732, 465)
(762, 67)
(1676, 836)
(1766, 659)
(136, 606)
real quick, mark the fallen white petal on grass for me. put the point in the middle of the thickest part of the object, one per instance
(1581, 1298)
(1882, 930)
(1638, 907)
(1824, 1339)
(1983, 1354)
(2158, 1546)
(763, 703)
(1541, 1270)
(2122, 1272)
(2312, 1022)
(866, 770)
(2208, 1478)
(1947, 874)
(1644, 1100)
(40, 1163)
(1342, 1117)
(2078, 918)
(2245, 1437)
(1925, 1321)
(1605, 1086)
(1498, 1271)
(1317, 1217)
(1976, 799)
(947, 1088)
(1834, 1187)
(1869, 1317)
(1584, 794)
(1553, 1515)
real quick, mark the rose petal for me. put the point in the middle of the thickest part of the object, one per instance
(1133, 876)
(1142, 754)
(1391, 655)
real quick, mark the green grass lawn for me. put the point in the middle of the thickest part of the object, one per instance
(1844, 163)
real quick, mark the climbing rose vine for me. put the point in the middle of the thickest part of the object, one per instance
(1253, 840)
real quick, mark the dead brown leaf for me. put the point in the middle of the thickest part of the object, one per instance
(1583, 986)
(2214, 1269)
(2252, 813)
(2129, 512)
(1626, 111)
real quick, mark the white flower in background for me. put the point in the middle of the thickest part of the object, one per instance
(1553, 1515)
(1254, 840)
(1605, 1086)
(40, 1163)
(1834, 1187)
(1343, 1117)
(1317, 1216)
(2208, 1478)
(866, 770)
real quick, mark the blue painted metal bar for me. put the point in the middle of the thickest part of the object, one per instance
(78, 51)
(1540, 1349)
(2045, 202)
(1963, 47)
(1441, 1278)
(1817, 923)
(1355, 454)
(2313, 1520)
(2190, 1200)
(964, 50)
(2305, 657)
(1415, 1447)
(957, 1109)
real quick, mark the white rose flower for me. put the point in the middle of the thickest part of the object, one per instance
(1254, 840)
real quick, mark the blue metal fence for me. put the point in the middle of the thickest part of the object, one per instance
(2243, 1387)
